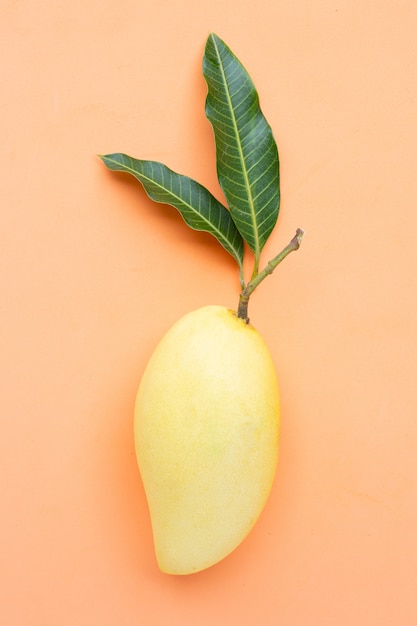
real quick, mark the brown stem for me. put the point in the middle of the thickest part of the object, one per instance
(242, 311)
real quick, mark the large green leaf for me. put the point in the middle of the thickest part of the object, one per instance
(247, 155)
(198, 207)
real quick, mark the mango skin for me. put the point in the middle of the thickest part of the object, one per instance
(206, 437)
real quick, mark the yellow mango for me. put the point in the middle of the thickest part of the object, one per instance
(206, 437)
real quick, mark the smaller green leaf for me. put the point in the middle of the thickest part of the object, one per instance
(198, 207)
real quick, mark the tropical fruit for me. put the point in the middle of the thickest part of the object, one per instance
(207, 408)
(206, 437)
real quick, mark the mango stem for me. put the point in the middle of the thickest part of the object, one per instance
(242, 311)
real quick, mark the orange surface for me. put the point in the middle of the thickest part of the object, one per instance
(92, 274)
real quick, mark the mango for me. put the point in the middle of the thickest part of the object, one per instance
(206, 437)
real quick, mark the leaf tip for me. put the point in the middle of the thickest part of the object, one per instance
(215, 39)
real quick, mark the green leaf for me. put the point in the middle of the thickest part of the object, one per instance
(198, 207)
(247, 155)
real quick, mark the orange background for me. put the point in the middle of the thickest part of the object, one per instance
(92, 275)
